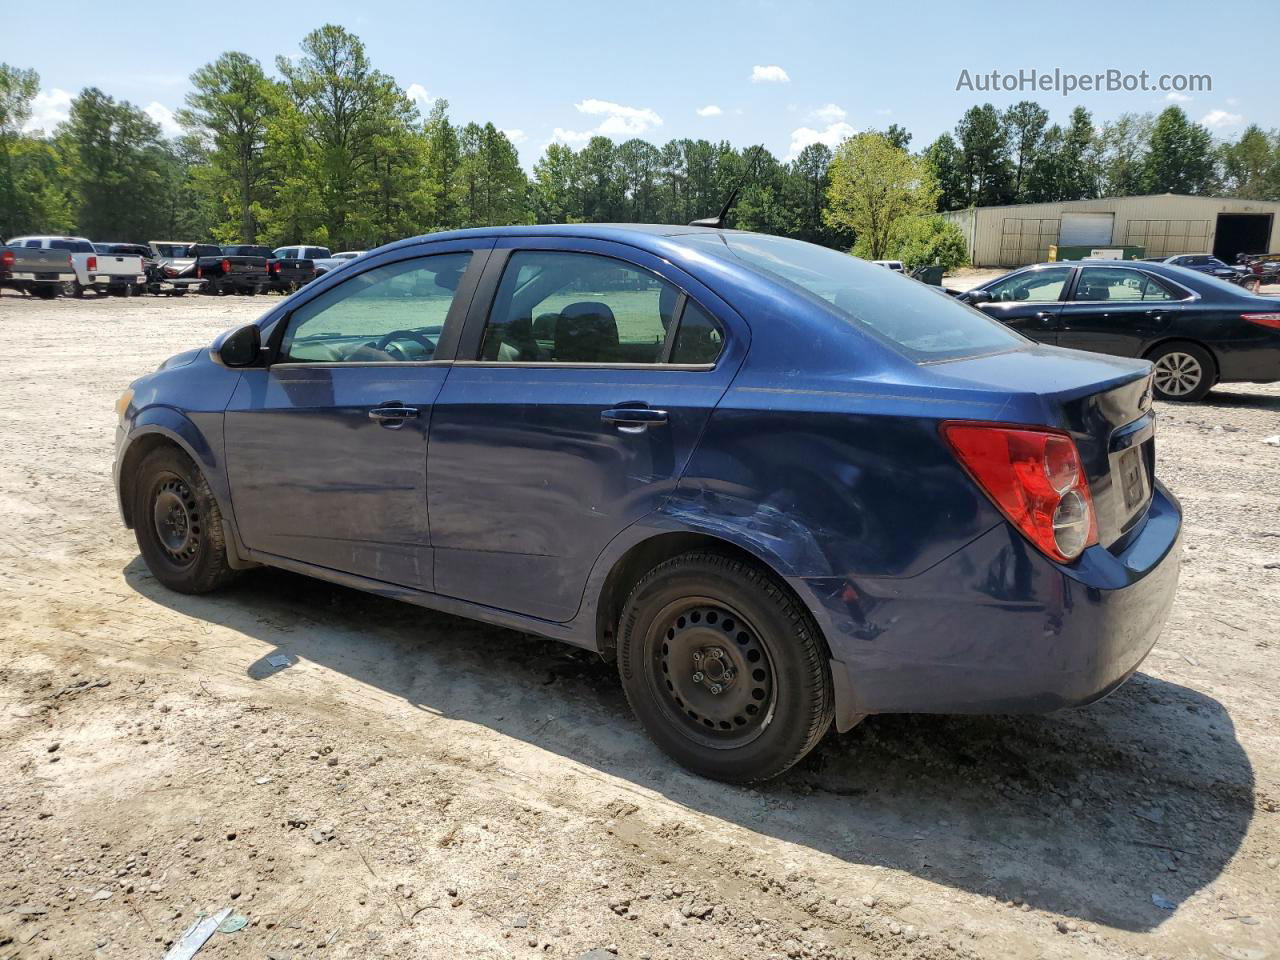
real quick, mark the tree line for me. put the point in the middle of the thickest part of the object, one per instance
(331, 151)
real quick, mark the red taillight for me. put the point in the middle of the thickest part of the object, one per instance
(226, 266)
(199, 272)
(1036, 479)
(1271, 320)
(6, 259)
(91, 264)
(275, 268)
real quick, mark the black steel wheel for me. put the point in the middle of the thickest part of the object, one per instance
(177, 523)
(712, 672)
(724, 668)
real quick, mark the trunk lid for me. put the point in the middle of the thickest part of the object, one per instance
(1103, 402)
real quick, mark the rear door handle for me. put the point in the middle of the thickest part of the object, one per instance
(633, 419)
(393, 415)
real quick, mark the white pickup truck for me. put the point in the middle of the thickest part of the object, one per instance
(101, 273)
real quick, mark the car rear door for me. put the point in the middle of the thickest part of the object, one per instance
(584, 379)
(1029, 301)
(326, 447)
(1116, 310)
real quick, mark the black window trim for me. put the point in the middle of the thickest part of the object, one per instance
(487, 293)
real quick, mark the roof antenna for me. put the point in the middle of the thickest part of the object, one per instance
(718, 221)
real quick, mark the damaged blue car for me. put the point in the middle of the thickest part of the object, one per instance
(781, 487)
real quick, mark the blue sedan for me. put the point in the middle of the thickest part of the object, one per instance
(781, 487)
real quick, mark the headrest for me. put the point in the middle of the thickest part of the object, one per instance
(586, 332)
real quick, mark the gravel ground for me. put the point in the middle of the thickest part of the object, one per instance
(412, 785)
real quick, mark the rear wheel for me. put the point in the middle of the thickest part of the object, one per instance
(1183, 371)
(45, 291)
(723, 668)
(178, 524)
(73, 288)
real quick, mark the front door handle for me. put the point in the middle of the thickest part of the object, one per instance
(634, 419)
(393, 415)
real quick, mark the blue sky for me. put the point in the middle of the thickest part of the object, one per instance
(755, 71)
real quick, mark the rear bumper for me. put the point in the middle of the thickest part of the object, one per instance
(999, 628)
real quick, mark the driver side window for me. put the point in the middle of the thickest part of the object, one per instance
(390, 314)
(1034, 286)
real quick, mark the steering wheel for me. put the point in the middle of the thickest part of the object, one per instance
(384, 343)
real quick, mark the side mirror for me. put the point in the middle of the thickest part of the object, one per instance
(240, 347)
(976, 297)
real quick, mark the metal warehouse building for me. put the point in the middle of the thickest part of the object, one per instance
(1164, 224)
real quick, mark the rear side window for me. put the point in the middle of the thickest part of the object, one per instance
(920, 321)
(317, 253)
(563, 307)
(1118, 283)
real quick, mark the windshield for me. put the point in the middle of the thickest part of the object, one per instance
(920, 321)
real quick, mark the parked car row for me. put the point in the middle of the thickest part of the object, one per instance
(46, 266)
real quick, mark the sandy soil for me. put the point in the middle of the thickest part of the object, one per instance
(413, 785)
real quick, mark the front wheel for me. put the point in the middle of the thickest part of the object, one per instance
(1183, 371)
(724, 668)
(178, 524)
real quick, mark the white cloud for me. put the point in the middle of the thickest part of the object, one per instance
(832, 136)
(830, 113)
(770, 74)
(1218, 119)
(619, 122)
(710, 110)
(418, 94)
(48, 110)
(1174, 97)
(162, 115)
(571, 138)
(515, 136)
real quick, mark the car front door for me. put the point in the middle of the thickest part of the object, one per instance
(1116, 310)
(326, 447)
(585, 376)
(1029, 301)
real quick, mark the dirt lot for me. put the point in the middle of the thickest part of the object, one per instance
(412, 785)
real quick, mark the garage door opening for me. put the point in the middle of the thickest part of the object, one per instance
(1239, 233)
(1086, 229)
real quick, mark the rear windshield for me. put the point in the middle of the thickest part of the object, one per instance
(247, 251)
(75, 246)
(173, 249)
(921, 321)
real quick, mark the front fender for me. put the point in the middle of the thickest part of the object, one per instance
(159, 423)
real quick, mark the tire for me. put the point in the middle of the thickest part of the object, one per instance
(178, 524)
(179, 292)
(1184, 371)
(45, 291)
(724, 669)
(73, 288)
